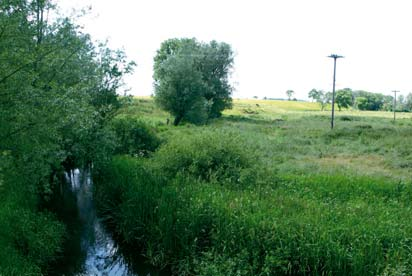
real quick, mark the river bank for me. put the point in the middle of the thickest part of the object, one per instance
(90, 249)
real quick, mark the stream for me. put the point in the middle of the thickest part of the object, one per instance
(90, 249)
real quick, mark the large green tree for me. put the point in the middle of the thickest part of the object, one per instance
(57, 92)
(181, 89)
(344, 98)
(369, 101)
(192, 79)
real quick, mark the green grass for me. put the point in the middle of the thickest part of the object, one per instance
(30, 238)
(304, 199)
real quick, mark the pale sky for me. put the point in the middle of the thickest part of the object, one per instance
(279, 44)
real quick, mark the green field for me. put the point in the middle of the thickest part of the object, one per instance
(268, 189)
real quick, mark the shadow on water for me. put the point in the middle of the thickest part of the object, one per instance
(89, 248)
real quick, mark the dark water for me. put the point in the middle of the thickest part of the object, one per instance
(90, 249)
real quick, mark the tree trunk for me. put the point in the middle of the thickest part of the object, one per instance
(177, 120)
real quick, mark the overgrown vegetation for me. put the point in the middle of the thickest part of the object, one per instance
(269, 193)
(57, 94)
(207, 155)
(134, 137)
(265, 189)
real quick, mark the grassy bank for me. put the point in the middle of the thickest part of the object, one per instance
(30, 237)
(268, 192)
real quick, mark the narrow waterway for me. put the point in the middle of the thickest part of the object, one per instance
(90, 249)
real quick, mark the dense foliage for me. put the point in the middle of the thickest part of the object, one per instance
(344, 98)
(252, 194)
(207, 156)
(369, 101)
(134, 136)
(57, 92)
(191, 79)
(318, 202)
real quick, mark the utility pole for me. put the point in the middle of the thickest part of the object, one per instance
(335, 57)
(394, 105)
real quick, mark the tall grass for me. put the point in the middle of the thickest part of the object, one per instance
(29, 239)
(291, 216)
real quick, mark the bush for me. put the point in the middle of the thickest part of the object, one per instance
(134, 137)
(29, 239)
(208, 155)
(347, 118)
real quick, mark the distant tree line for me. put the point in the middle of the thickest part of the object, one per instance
(361, 100)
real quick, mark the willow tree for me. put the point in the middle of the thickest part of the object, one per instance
(57, 91)
(191, 79)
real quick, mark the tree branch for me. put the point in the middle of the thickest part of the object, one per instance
(25, 65)
(63, 64)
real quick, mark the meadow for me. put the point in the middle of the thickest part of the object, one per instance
(268, 189)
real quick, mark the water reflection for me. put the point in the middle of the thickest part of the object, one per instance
(90, 249)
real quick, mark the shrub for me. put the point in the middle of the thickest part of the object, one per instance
(29, 239)
(207, 155)
(346, 118)
(134, 137)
